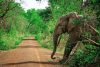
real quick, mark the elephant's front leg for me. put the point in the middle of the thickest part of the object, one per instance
(68, 48)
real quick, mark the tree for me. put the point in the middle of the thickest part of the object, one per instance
(5, 7)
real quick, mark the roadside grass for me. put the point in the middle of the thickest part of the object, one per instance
(11, 40)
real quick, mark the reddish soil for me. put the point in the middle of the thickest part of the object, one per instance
(27, 54)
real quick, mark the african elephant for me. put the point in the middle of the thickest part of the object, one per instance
(77, 33)
(63, 26)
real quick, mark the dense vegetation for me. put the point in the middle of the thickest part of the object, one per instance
(12, 24)
(15, 24)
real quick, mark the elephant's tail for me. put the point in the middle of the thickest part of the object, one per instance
(56, 40)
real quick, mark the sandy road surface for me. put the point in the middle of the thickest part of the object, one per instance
(27, 54)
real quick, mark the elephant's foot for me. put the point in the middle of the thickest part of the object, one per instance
(63, 61)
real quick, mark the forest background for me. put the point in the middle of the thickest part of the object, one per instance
(15, 24)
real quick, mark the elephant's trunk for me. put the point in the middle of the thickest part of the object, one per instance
(53, 53)
(56, 40)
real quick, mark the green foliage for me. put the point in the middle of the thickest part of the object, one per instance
(9, 41)
(45, 13)
(36, 23)
(63, 7)
(13, 26)
(84, 57)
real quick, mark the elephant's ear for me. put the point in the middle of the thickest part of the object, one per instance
(70, 27)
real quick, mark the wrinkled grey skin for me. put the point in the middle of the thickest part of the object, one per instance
(62, 27)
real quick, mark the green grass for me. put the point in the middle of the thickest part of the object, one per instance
(10, 40)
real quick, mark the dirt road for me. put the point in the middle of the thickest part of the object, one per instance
(27, 54)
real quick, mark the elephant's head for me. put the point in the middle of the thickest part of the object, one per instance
(75, 15)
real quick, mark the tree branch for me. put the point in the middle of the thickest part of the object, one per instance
(92, 28)
(7, 9)
(94, 43)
